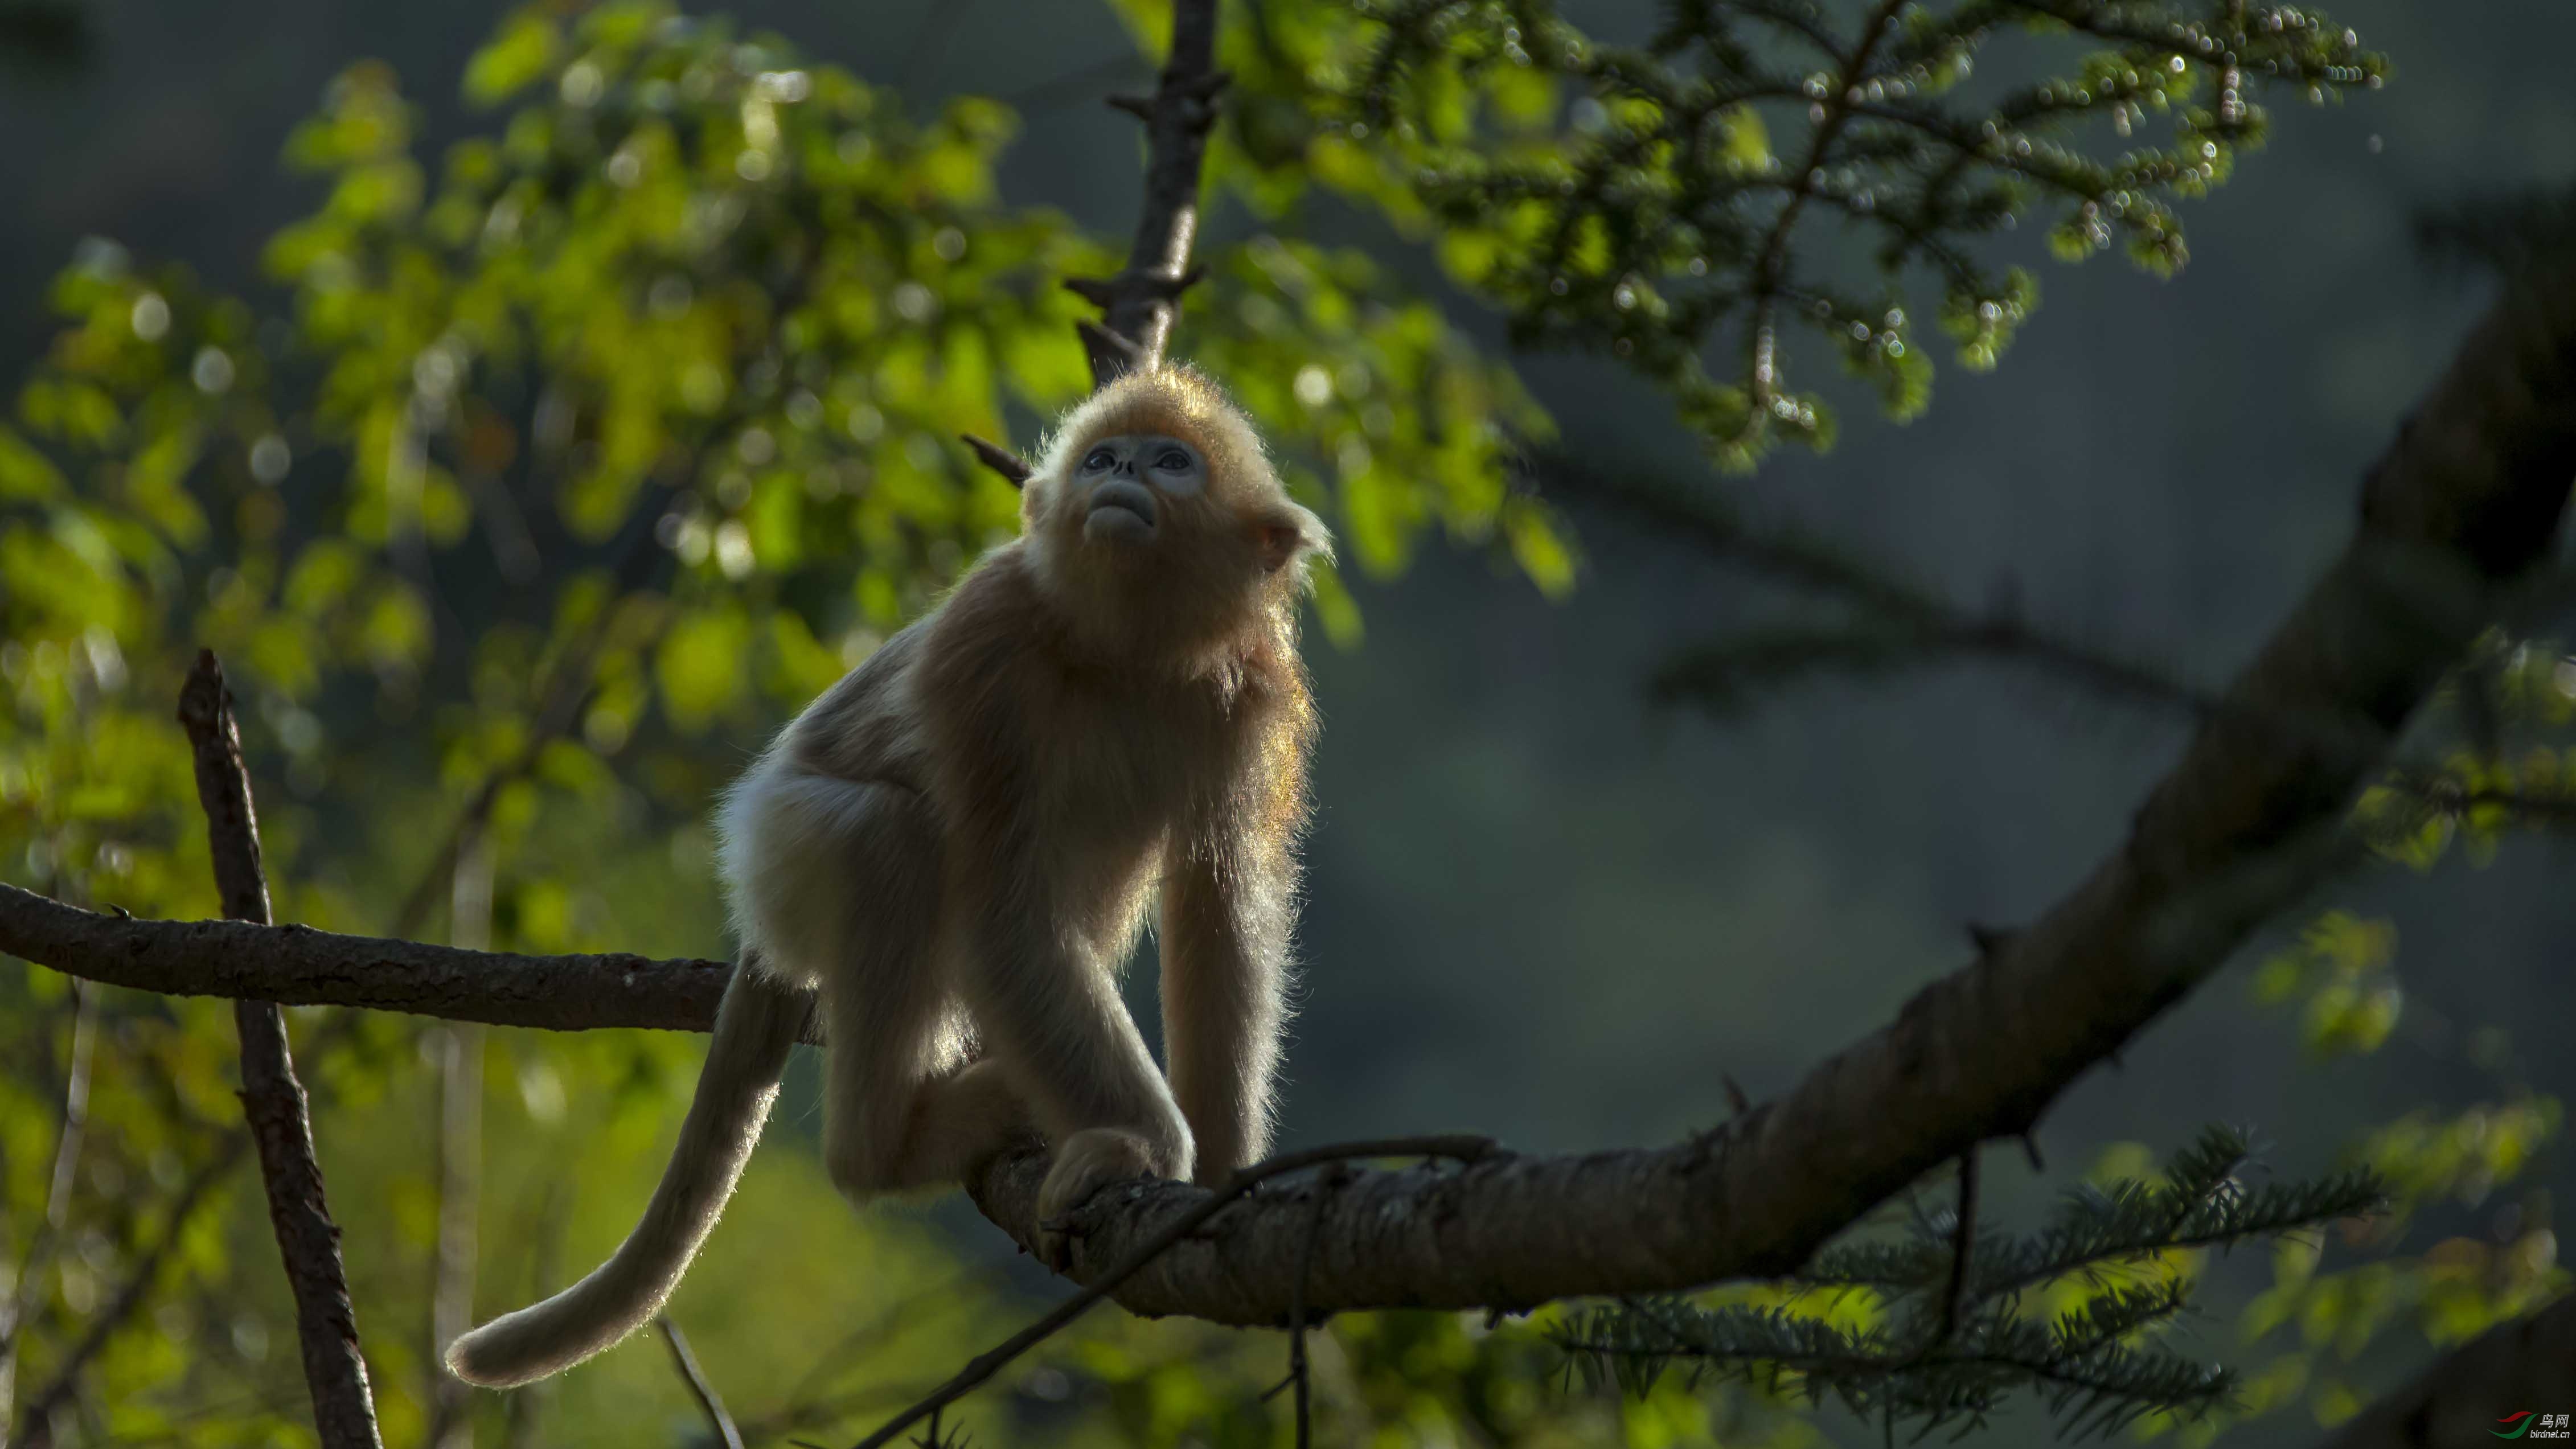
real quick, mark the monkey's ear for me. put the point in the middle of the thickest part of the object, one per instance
(1287, 534)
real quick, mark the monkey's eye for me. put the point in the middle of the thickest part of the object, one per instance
(1173, 460)
(1098, 459)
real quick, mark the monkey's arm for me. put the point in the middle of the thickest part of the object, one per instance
(1049, 1012)
(1021, 893)
(1228, 908)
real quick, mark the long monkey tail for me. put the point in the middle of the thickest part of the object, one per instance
(758, 1022)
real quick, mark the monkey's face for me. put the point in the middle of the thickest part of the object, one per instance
(1156, 518)
(1127, 489)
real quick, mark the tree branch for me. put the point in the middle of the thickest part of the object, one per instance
(299, 966)
(344, 1411)
(1138, 304)
(984, 1365)
(719, 1423)
(2460, 506)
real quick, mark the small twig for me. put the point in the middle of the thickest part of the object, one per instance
(1078, 83)
(808, 1405)
(1963, 1244)
(58, 1194)
(273, 1102)
(1013, 468)
(984, 1365)
(1297, 1298)
(1771, 265)
(22, 1300)
(33, 1421)
(704, 1392)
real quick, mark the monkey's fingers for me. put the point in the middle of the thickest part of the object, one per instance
(1054, 1246)
(1085, 1162)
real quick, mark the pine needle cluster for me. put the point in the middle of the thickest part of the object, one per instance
(1656, 214)
(1951, 1344)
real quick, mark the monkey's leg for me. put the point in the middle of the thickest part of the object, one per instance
(959, 1120)
(888, 1027)
(1053, 1020)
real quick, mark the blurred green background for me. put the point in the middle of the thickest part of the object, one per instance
(1537, 908)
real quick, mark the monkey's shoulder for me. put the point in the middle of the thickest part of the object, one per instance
(867, 726)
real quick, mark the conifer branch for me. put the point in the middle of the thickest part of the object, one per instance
(1953, 1344)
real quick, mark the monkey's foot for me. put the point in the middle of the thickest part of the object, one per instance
(1085, 1162)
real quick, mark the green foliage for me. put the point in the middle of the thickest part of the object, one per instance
(2341, 965)
(1646, 201)
(572, 458)
(2067, 1314)
(1385, 1379)
(2468, 1241)
(1389, 393)
(580, 452)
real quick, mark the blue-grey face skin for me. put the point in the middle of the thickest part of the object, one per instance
(1122, 483)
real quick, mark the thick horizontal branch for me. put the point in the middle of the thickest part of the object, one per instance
(300, 966)
(2462, 504)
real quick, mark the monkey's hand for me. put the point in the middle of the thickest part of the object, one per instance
(1086, 1162)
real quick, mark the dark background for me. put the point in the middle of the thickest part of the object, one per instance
(1536, 909)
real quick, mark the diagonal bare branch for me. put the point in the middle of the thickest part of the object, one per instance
(685, 1363)
(326, 1322)
(984, 1365)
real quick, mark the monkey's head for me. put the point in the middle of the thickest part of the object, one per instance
(1155, 495)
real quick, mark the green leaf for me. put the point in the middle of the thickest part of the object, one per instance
(702, 667)
(514, 59)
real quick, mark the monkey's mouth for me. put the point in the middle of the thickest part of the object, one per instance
(1120, 510)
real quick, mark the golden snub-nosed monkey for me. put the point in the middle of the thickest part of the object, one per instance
(956, 847)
